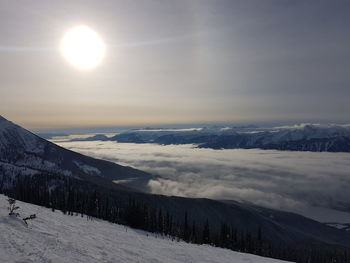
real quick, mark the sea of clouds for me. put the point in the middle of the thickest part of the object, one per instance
(292, 181)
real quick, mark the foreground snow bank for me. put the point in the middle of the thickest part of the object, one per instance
(54, 237)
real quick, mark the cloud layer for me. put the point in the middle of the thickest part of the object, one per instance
(278, 179)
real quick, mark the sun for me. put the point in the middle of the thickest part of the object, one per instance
(83, 47)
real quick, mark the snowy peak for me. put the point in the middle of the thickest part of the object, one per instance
(22, 151)
(15, 139)
(311, 131)
(4, 124)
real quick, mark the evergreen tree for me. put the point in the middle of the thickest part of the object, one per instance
(206, 233)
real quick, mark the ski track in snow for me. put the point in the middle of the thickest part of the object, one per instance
(55, 237)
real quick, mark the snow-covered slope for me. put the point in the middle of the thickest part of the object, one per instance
(23, 152)
(54, 237)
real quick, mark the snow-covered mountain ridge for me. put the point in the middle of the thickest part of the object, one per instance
(22, 150)
(54, 237)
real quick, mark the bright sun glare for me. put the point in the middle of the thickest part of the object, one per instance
(83, 47)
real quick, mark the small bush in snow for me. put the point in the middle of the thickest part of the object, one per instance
(12, 207)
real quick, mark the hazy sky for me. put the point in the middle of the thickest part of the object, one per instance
(177, 62)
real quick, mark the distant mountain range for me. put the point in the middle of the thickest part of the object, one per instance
(30, 162)
(311, 137)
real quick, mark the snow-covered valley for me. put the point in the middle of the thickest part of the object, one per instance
(55, 237)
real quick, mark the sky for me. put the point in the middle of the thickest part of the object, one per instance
(172, 62)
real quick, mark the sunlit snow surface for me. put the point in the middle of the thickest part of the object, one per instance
(54, 237)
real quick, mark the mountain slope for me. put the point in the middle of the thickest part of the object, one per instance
(37, 171)
(278, 228)
(21, 150)
(54, 237)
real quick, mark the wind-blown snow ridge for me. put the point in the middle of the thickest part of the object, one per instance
(54, 237)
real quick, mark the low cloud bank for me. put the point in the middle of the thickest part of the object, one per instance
(278, 179)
